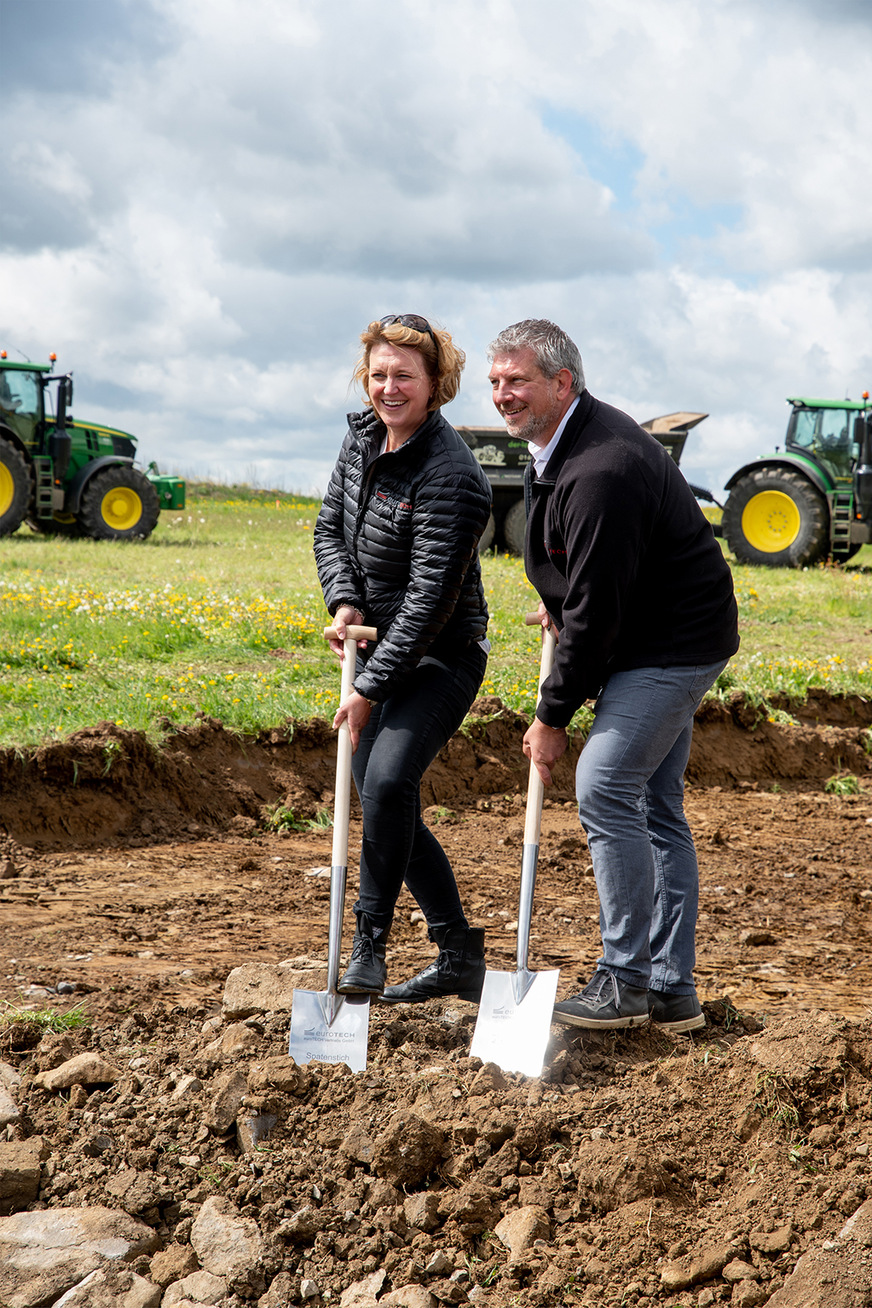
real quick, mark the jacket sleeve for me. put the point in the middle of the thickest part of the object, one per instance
(450, 513)
(603, 523)
(336, 573)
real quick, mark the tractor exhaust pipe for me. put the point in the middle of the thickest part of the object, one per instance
(863, 475)
(61, 440)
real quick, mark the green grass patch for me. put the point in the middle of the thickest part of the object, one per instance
(22, 1028)
(220, 613)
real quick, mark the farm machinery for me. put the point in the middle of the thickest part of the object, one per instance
(811, 501)
(504, 458)
(66, 477)
(803, 504)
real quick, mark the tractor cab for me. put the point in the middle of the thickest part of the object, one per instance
(22, 406)
(824, 431)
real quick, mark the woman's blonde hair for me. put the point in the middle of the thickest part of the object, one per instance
(443, 359)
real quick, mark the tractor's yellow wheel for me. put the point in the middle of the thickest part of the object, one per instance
(771, 522)
(121, 508)
(776, 516)
(119, 503)
(7, 489)
(14, 487)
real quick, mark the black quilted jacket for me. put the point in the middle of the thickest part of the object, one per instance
(397, 537)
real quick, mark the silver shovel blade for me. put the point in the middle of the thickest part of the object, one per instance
(510, 1031)
(329, 1028)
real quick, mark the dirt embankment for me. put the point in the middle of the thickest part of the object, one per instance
(110, 784)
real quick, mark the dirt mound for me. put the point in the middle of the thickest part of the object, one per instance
(642, 1169)
(108, 784)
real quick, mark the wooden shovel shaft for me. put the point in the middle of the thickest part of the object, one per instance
(341, 804)
(352, 633)
(533, 819)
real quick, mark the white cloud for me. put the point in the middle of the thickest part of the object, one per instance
(203, 218)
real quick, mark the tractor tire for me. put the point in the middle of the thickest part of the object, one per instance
(487, 536)
(776, 517)
(119, 503)
(14, 488)
(515, 528)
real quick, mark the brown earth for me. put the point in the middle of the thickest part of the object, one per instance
(135, 878)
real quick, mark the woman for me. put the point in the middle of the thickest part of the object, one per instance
(396, 544)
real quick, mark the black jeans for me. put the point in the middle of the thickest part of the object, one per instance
(398, 744)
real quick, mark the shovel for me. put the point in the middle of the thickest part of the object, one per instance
(327, 1027)
(514, 1015)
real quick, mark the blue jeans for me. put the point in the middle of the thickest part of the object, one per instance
(403, 736)
(630, 790)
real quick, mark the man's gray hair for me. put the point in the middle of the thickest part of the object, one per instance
(550, 344)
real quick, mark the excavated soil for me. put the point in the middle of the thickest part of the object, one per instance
(134, 878)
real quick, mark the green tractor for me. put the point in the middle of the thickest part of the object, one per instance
(814, 500)
(71, 478)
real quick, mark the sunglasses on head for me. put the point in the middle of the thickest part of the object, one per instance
(413, 320)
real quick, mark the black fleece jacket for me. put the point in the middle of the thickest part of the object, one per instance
(623, 558)
(397, 536)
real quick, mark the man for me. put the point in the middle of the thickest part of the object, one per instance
(629, 572)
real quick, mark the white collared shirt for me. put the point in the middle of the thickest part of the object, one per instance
(543, 454)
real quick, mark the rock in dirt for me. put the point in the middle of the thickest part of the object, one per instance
(475, 1208)
(172, 1264)
(422, 1211)
(227, 1244)
(234, 1040)
(278, 1073)
(409, 1296)
(269, 987)
(44, 1254)
(229, 1090)
(408, 1149)
(281, 1292)
(363, 1294)
(84, 1069)
(139, 1193)
(836, 1274)
(520, 1229)
(9, 1110)
(112, 1287)
(201, 1287)
(20, 1173)
(9, 1078)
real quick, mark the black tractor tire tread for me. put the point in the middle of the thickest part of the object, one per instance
(813, 542)
(17, 467)
(487, 536)
(515, 527)
(91, 519)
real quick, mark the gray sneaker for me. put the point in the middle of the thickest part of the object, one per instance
(605, 1002)
(676, 1012)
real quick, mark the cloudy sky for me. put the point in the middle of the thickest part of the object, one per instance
(202, 203)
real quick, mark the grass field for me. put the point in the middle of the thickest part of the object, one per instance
(220, 613)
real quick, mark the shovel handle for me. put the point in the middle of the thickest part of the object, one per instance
(535, 786)
(352, 632)
(342, 804)
(535, 620)
(533, 819)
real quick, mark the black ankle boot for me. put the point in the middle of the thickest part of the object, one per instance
(365, 974)
(459, 969)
